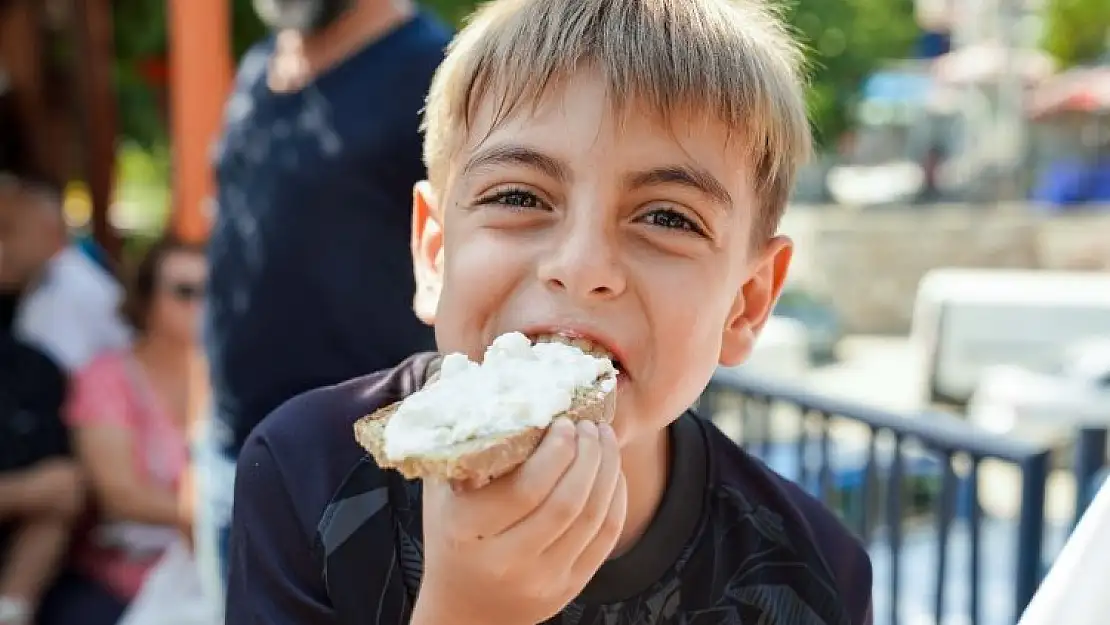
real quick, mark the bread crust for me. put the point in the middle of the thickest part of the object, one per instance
(478, 461)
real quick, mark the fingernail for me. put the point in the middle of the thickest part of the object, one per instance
(562, 427)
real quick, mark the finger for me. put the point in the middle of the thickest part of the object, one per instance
(605, 541)
(569, 543)
(499, 505)
(473, 483)
(567, 500)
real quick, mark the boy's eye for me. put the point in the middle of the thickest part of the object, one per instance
(515, 198)
(673, 220)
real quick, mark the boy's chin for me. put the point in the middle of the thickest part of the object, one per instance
(632, 432)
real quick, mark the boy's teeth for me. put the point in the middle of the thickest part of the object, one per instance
(585, 345)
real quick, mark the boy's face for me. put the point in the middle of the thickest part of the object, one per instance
(622, 230)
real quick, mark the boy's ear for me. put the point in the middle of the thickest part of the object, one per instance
(427, 251)
(755, 301)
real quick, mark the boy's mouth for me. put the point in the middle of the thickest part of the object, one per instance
(587, 345)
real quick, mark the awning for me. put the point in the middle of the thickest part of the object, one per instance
(991, 62)
(1084, 90)
(897, 87)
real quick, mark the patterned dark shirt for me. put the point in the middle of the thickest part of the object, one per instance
(322, 536)
(314, 195)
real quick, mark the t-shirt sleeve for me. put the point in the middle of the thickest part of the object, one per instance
(98, 395)
(860, 602)
(844, 553)
(274, 577)
(852, 568)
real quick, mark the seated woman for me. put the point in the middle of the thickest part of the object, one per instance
(128, 415)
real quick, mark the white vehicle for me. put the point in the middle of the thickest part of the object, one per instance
(967, 320)
(1046, 406)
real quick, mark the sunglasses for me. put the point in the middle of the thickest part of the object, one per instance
(185, 291)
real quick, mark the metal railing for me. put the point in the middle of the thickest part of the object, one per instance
(1090, 464)
(871, 491)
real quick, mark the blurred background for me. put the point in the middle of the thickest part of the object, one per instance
(939, 367)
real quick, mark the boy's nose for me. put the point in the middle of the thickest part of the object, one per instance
(584, 265)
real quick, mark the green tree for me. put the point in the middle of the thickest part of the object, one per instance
(141, 40)
(1076, 31)
(140, 36)
(847, 40)
(454, 11)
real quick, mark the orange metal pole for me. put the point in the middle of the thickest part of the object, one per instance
(200, 80)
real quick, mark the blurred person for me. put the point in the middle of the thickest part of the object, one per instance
(127, 413)
(311, 277)
(67, 304)
(40, 488)
(931, 165)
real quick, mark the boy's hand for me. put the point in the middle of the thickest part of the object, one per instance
(518, 550)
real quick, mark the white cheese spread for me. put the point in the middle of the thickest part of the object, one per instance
(517, 386)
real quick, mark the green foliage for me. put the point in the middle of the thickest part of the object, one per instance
(246, 28)
(453, 11)
(141, 36)
(1076, 31)
(847, 41)
(143, 197)
(140, 33)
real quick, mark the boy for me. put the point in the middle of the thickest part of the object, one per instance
(610, 171)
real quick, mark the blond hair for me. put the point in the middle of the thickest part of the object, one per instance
(730, 58)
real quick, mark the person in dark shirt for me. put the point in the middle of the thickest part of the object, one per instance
(310, 276)
(612, 173)
(40, 486)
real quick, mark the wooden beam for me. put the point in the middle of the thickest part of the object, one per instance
(21, 54)
(94, 71)
(200, 80)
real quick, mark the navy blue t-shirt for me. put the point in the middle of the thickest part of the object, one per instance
(33, 390)
(322, 535)
(312, 279)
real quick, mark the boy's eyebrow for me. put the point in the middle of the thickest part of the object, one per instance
(682, 175)
(513, 154)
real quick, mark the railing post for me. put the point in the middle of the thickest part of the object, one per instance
(1090, 457)
(1034, 481)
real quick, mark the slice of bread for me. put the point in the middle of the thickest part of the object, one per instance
(478, 461)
